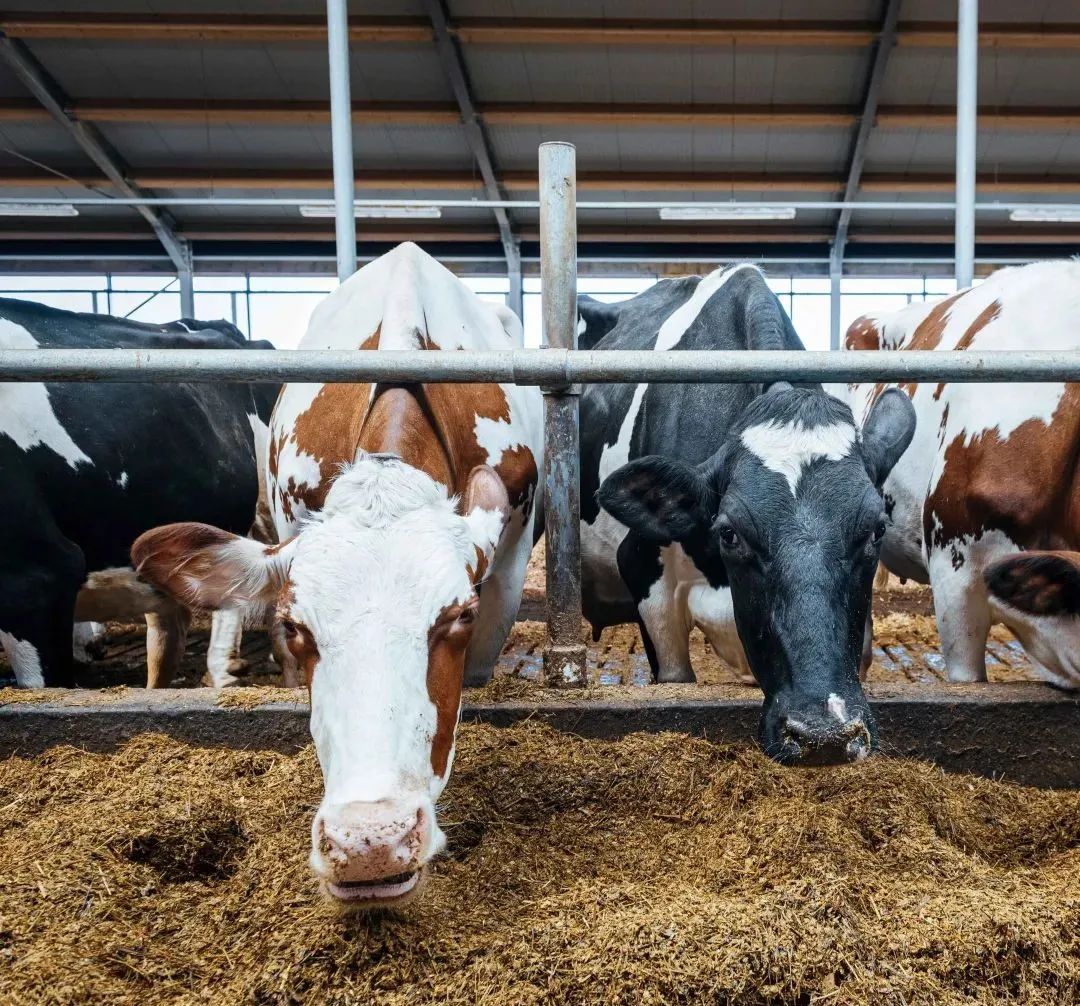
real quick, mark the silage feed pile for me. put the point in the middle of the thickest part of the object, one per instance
(653, 869)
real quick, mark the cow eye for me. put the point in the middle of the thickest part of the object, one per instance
(879, 531)
(727, 534)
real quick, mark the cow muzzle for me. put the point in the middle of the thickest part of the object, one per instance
(819, 733)
(372, 855)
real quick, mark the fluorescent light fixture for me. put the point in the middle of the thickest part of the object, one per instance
(38, 210)
(1045, 215)
(377, 212)
(727, 213)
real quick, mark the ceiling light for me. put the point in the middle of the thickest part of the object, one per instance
(727, 213)
(377, 212)
(38, 210)
(1045, 215)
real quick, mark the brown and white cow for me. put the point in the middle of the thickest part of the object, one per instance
(405, 517)
(992, 468)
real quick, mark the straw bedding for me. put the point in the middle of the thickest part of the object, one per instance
(652, 869)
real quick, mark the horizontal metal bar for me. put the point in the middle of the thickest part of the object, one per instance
(941, 205)
(531, 367)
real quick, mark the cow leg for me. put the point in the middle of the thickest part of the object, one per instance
(38, 644)
(500, 598)
(166, 638)
(290, 670)
(88, 642)
(963, 613)
(867, 657)
(650, 575)
(711, 609)
(223, 660)
(41, 573)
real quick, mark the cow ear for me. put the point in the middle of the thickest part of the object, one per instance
(1042, 583)
(659, 499)
(487, 509)
(206, 568)
(886, 433)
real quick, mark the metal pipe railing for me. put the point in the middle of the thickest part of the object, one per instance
(550, 368)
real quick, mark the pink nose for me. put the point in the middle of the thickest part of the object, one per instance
(371, 841)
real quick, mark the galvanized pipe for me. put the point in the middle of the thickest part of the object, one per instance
(564, 654)
(967, 93)
(546, 368)
(337, 24)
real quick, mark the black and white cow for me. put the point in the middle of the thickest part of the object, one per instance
(86, 468)
(752, 512)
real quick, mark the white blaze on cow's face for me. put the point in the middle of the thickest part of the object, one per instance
(378, 595)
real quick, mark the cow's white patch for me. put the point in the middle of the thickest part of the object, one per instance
(837, 707)
(26, 413)
(787, 448)
(24, 660)
(122, 481)
(223, 651)
(85, 634)
(496, 436)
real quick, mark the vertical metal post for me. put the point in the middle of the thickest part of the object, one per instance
(564, 655)
(515, 298)
(337, 24)
(967, 89)
(836, 271)
(186, 276)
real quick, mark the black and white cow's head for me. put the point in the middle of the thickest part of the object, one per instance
(789, 513)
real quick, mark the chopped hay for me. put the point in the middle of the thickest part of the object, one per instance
(249, 698)
(650, 869)
(18, 696)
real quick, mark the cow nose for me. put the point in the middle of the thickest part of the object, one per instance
(364, 842)
(821, 742)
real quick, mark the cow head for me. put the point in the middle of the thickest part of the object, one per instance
(377, 595)
(789, 513)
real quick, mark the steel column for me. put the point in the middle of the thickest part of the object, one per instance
(836, 273)
(967, 90)
(186, 275)
(564, 655)
(337, 23)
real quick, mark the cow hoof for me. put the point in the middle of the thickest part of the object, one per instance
(220, 681)
(678, 676)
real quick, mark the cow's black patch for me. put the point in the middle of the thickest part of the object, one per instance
(158, 453)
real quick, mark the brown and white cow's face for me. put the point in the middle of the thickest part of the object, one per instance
(378, 597)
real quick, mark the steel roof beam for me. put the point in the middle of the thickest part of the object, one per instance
(499, 31)
(40, 83)
(454, 66)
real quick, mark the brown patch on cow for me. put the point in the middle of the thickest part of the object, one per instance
(305, 652)
(863, 334)
(328, 430)
(448, 640)
(477, 571)
(1025, 485)
(517, 469)
(455, 410)
(987, 315)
